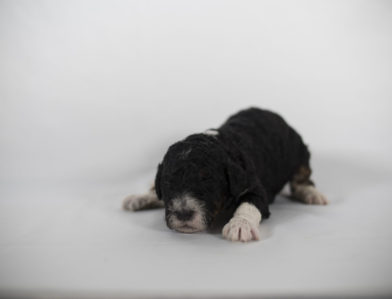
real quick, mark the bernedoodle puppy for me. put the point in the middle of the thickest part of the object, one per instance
(236, 169)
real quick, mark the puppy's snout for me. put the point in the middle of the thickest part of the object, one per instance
(184, 215)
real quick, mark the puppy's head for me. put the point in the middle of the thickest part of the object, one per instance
(192, 183)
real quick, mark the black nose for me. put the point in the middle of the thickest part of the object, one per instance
(184, 215)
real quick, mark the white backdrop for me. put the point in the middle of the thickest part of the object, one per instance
(93, 92)
(94, 89)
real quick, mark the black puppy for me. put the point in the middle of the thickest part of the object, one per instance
(239, 167)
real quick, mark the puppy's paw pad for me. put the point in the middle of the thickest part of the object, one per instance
(314, 197)
(239, 229)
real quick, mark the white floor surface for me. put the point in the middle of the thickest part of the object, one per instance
(73, 239)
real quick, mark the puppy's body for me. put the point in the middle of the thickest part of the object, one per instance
(240, 166)
(267, 149)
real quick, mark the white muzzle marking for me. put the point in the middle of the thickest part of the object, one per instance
(186, 215)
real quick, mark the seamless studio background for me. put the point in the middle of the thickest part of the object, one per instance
(93, 92)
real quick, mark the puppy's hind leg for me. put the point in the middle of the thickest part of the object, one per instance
(303, 189)
(145, 201)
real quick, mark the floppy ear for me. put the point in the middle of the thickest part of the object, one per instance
(158, 182)
(243, 186)
(236, 179)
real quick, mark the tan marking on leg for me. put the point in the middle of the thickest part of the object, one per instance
(303, 189)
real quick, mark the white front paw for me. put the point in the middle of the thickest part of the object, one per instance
(141, 202)
(133, 202)
(240, 229)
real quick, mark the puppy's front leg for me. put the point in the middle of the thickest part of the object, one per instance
(244, 226)
(145, 201)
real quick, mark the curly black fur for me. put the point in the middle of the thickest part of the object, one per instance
(254, 154)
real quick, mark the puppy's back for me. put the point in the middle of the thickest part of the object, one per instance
(276, 149)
